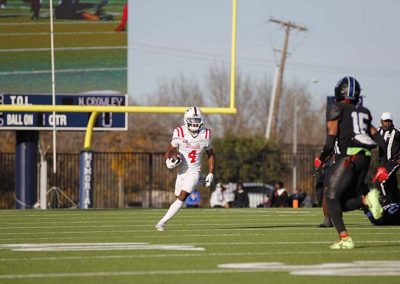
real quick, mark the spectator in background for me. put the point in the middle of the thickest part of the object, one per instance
(35, 7)
(241, 197)
(280, 197)
(122, 25)
(3, 4)
(193, 200)
(218, 198)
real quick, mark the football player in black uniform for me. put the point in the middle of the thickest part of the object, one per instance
(390, 216)
(349, 124)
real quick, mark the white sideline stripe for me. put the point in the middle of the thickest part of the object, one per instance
(59, 23)
(202, 211)
(124, 256)
(73, 48)
(170, 236)
(128, 213)
(133, 223)
(37, 72)
(98, 247)
(285, 243)
(205, 223)
(355, 268)
(58, 33)
(150, 223)
(266, 227)
(260, 243)
(121, 273)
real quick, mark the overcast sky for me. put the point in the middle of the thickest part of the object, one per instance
(346, 37)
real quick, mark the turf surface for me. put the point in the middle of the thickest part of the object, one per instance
(214, 237)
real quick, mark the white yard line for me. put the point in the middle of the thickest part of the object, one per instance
(222, 254)
(127, 213)
(205, 223)
(59, 23)
(223, 226)
(39, 72)
(98, 247)
(260, 243)
(158, 236)
(285, 243)
(131, 220)
(120, 273)
(59, 33)
(258, 226)
(72, 48)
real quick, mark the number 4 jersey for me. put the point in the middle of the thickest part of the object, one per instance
(191, 148)
(353, 120)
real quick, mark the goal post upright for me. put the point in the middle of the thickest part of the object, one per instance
(233, 56)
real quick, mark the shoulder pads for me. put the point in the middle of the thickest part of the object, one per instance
(333, 111)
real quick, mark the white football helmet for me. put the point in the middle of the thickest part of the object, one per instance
(193, 119)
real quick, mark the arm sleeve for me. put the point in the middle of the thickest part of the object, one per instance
(333, 112)
(329, 147)
(208, 142)
(175, 138)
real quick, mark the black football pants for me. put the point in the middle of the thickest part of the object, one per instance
(345, 183)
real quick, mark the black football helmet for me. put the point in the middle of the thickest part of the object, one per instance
(347, 88)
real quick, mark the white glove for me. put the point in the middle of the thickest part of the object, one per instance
(209, 179)
(172, 163)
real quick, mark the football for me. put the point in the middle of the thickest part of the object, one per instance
(174, 154)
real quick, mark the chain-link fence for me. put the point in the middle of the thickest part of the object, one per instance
(141, 179)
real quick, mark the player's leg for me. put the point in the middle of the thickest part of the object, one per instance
(173, 209)
(359, 188)
(339, 179)
(327, 223)
(185, 184)
(360, 194)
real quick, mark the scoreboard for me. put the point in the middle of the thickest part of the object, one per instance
(63, 121)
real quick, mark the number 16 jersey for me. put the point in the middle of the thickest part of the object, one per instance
(191, 148)
(353, 120)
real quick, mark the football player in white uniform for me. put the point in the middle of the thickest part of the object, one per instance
(190, 141)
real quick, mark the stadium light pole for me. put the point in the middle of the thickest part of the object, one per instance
(294, 152)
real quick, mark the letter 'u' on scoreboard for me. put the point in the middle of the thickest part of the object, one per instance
(106, 121)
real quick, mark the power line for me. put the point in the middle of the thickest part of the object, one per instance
(272, 123)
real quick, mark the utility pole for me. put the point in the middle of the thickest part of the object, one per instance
(272, 123)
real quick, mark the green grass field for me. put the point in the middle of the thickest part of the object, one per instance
(121, 246)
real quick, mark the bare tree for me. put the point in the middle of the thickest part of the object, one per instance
(310, 118)
(151, 132)
(251, 101)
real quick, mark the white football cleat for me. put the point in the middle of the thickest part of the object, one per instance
(160, 227)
